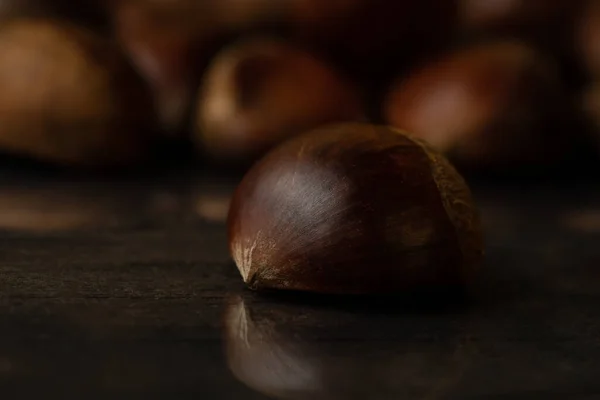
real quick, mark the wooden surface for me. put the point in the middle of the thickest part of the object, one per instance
(125, 289)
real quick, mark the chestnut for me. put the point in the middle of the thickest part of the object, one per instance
(493, 106)
(70, 97)
(354, 209)
(259, 92)
(348, 31)
(588, 38)
(168, 43)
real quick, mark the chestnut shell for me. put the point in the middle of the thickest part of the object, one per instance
(260, 91)
(170, 44)
(70, 97)
(587, 39)
(353, 209)
(495, 106)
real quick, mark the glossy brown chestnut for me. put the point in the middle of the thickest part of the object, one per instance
(260, 92)
(491, 106)
(354, 209)
(69, 96)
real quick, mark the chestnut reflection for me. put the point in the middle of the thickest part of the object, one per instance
(288, 351)
(213, 207)
(56, 207)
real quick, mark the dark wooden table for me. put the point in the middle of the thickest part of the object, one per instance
(124, 289)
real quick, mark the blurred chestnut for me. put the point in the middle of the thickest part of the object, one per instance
(168, 42)
(69, 96)
(260, 92)
(490, 106)
(347, 31)
(588, 37)
(354, 209)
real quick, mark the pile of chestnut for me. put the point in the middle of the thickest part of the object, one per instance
(347, 110)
